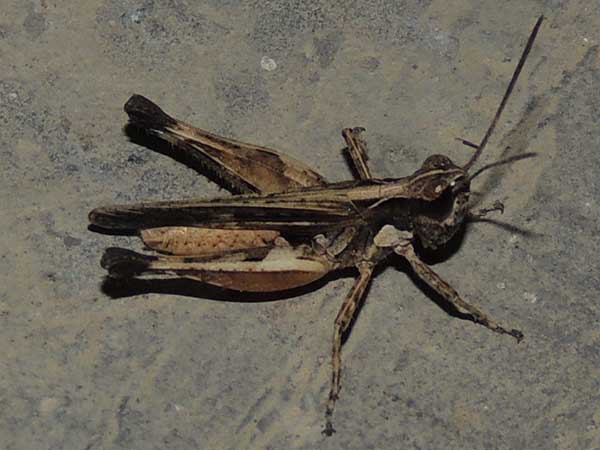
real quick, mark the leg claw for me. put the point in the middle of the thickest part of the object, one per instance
(329, 430)
(516, 334)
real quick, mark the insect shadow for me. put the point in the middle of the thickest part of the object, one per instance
(128, 287)
(152, 142)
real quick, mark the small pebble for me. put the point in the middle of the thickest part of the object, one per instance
(268, 64)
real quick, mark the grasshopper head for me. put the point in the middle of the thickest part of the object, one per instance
(443, 205)
(437, 218)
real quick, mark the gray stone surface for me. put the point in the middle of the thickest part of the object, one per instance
(168, 368)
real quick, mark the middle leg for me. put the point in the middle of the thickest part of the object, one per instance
(342, 322)
(357, 149)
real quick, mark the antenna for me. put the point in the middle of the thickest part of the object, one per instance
(511, 85)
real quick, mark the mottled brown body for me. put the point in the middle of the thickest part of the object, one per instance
(287, 226)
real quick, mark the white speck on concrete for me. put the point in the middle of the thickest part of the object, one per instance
(530, 297)
(268, 64)
(13, 96)
(501, 285)
(135, 17)
(513, 239)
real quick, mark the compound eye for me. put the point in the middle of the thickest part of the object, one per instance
(437, 162)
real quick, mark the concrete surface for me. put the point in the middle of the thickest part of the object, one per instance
(161, 366)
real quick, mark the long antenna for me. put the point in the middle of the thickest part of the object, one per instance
(511, 85)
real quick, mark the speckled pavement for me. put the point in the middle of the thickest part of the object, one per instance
(90, 364)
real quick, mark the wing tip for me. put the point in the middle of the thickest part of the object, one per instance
(145, 113)
(93, 216)
(102, 218)
(122, 263)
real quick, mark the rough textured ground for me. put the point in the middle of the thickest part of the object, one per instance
(160, 366)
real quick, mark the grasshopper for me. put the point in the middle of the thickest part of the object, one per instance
(288, 227)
